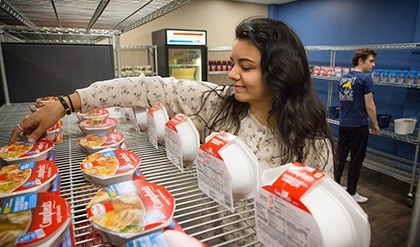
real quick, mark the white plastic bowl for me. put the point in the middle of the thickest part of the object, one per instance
(341, 221)
(93, 114)
(100, 128)
(141, 117)
(243, 168)
(189, 138)
(39, 151)
(118, 141)
(156, 204)
(54, 131)
(44, 219)
(160, 117)
(119, 175)
(47, 168)
(404, 126)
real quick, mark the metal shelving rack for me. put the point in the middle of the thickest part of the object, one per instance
(199, 215)
(218, 48)
(68, 22)
(381, 162)
(149, 49)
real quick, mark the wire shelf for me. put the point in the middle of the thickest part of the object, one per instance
(198, 215)
(335, 78)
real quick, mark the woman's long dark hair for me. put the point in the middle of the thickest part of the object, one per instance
(297, 115)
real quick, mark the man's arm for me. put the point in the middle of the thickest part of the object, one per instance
(371, 110)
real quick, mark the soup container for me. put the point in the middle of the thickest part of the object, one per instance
(96, 142)
(35, 176)
(20, 152)
(54, 131)
(125, 211)
(35, 219)
(168, 238)
(339, 218)
(97, 125)
(36, 107)
(404, 126)
(141, 117)
(93, 114)
(46, 100)
(110, 166)
(160, 117)
(241, 164)
(188, 135)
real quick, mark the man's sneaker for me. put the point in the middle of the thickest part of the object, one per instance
(358, 198)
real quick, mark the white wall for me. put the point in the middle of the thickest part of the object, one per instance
(218, 17)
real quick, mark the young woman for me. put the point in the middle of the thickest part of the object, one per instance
(271, 106)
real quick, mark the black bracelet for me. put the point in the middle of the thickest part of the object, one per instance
(66, 107)
(71, 103)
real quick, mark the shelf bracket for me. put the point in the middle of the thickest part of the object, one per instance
(98, 12)
(15, 14)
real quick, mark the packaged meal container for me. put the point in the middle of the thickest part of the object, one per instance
(411, 77)
(393, 76)
(99, 124)
(110, 166)
(376, 75)
(93, 114)
(36, 107)
(20, 152)
(124, 211)
(54, 131)
(401, 76)
(35, 176)
(404, 126)
(307, 208)
(35, 219)
(168, 238)
(46, 100)
(96, 142)
(385, 75)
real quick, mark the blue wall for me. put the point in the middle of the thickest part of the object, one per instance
(358, 22)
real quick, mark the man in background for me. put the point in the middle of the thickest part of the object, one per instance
(355, 91)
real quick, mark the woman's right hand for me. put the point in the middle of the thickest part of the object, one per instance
(36, 124)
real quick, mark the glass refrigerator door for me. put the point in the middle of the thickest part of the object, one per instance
(185, 63)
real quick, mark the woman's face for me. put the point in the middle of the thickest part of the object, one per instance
(246, 74)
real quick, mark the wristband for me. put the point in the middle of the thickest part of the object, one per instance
(66, 107)
(71, 103)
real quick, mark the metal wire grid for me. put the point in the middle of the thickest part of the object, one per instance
(198, 215)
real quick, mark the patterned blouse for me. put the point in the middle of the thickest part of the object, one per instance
(183, 96)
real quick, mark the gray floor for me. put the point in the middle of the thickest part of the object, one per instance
(389, 215)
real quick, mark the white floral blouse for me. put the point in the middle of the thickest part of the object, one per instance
(183, 96)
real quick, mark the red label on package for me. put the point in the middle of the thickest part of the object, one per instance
(101, 139)
(35, 217)
(99, 122)
(150, 205)
(56, 126)
(46, 99)
(175, 121)
(20, 150)
(216, 143)
(294, 183)
(25, 176)
(110, 162)
(155, 108)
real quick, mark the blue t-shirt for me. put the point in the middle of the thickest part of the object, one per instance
(352, 88)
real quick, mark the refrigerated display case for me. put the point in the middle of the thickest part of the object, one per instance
(181, 53)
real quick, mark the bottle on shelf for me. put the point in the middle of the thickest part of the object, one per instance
(224, 65)
(219, 65)
(213, 65)
(229, 65)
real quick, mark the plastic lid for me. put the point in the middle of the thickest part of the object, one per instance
(131, 207)
(26, 177)
(168, 238)
(109, 163)
(34, 219)
(98, 123)
(100, 140)
(23, 150)
(94, 113)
